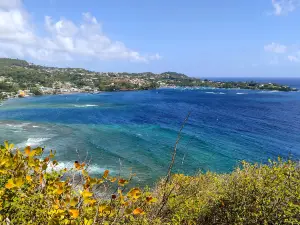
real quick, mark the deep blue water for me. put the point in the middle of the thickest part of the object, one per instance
(137, 130)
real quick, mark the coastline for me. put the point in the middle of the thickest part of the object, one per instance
(163, 87)
(76, 80)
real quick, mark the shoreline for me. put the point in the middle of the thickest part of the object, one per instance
(162, 87)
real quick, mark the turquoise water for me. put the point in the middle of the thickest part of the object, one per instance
(136, 131)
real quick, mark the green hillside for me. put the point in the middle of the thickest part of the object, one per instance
(18, 74)
(6, 62)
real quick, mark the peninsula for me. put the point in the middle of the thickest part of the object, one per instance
(20, 78)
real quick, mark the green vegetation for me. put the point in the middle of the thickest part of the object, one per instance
(20, 75)
(33, 193)
(6, 62)
(36, 91)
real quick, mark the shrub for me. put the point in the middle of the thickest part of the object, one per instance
(36, 91)
(31, 192)
(252, 194)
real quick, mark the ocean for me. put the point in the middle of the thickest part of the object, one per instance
(135, 132)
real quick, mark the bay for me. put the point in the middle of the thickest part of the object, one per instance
(136, 131)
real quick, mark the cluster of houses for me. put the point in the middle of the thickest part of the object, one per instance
(46, 91)
(20, 93)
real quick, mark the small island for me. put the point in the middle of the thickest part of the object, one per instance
(18, 78)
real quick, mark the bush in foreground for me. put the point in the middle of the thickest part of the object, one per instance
(31, 192)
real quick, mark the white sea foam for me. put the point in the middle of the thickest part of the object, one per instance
(84, 106)
(215, 93)
(241, 93)
(33, 142)
(269, 91)
(92, 169)
(17, 125)
(60, 166)
(36, 141)
(95, 169)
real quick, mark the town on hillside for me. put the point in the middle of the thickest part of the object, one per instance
(18, 78)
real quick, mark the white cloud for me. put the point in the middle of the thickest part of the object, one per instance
(155, 57)
(275, 48)
(283, 7)
(8, 4)
(294, 58)
(65, 40)
(282, 53)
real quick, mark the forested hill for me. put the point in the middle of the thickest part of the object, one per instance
(16, 75)
(6, 62)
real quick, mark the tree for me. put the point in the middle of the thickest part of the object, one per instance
(36, 91)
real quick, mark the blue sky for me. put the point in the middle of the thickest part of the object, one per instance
(201, 38)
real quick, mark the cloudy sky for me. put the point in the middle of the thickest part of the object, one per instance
(198, 37)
